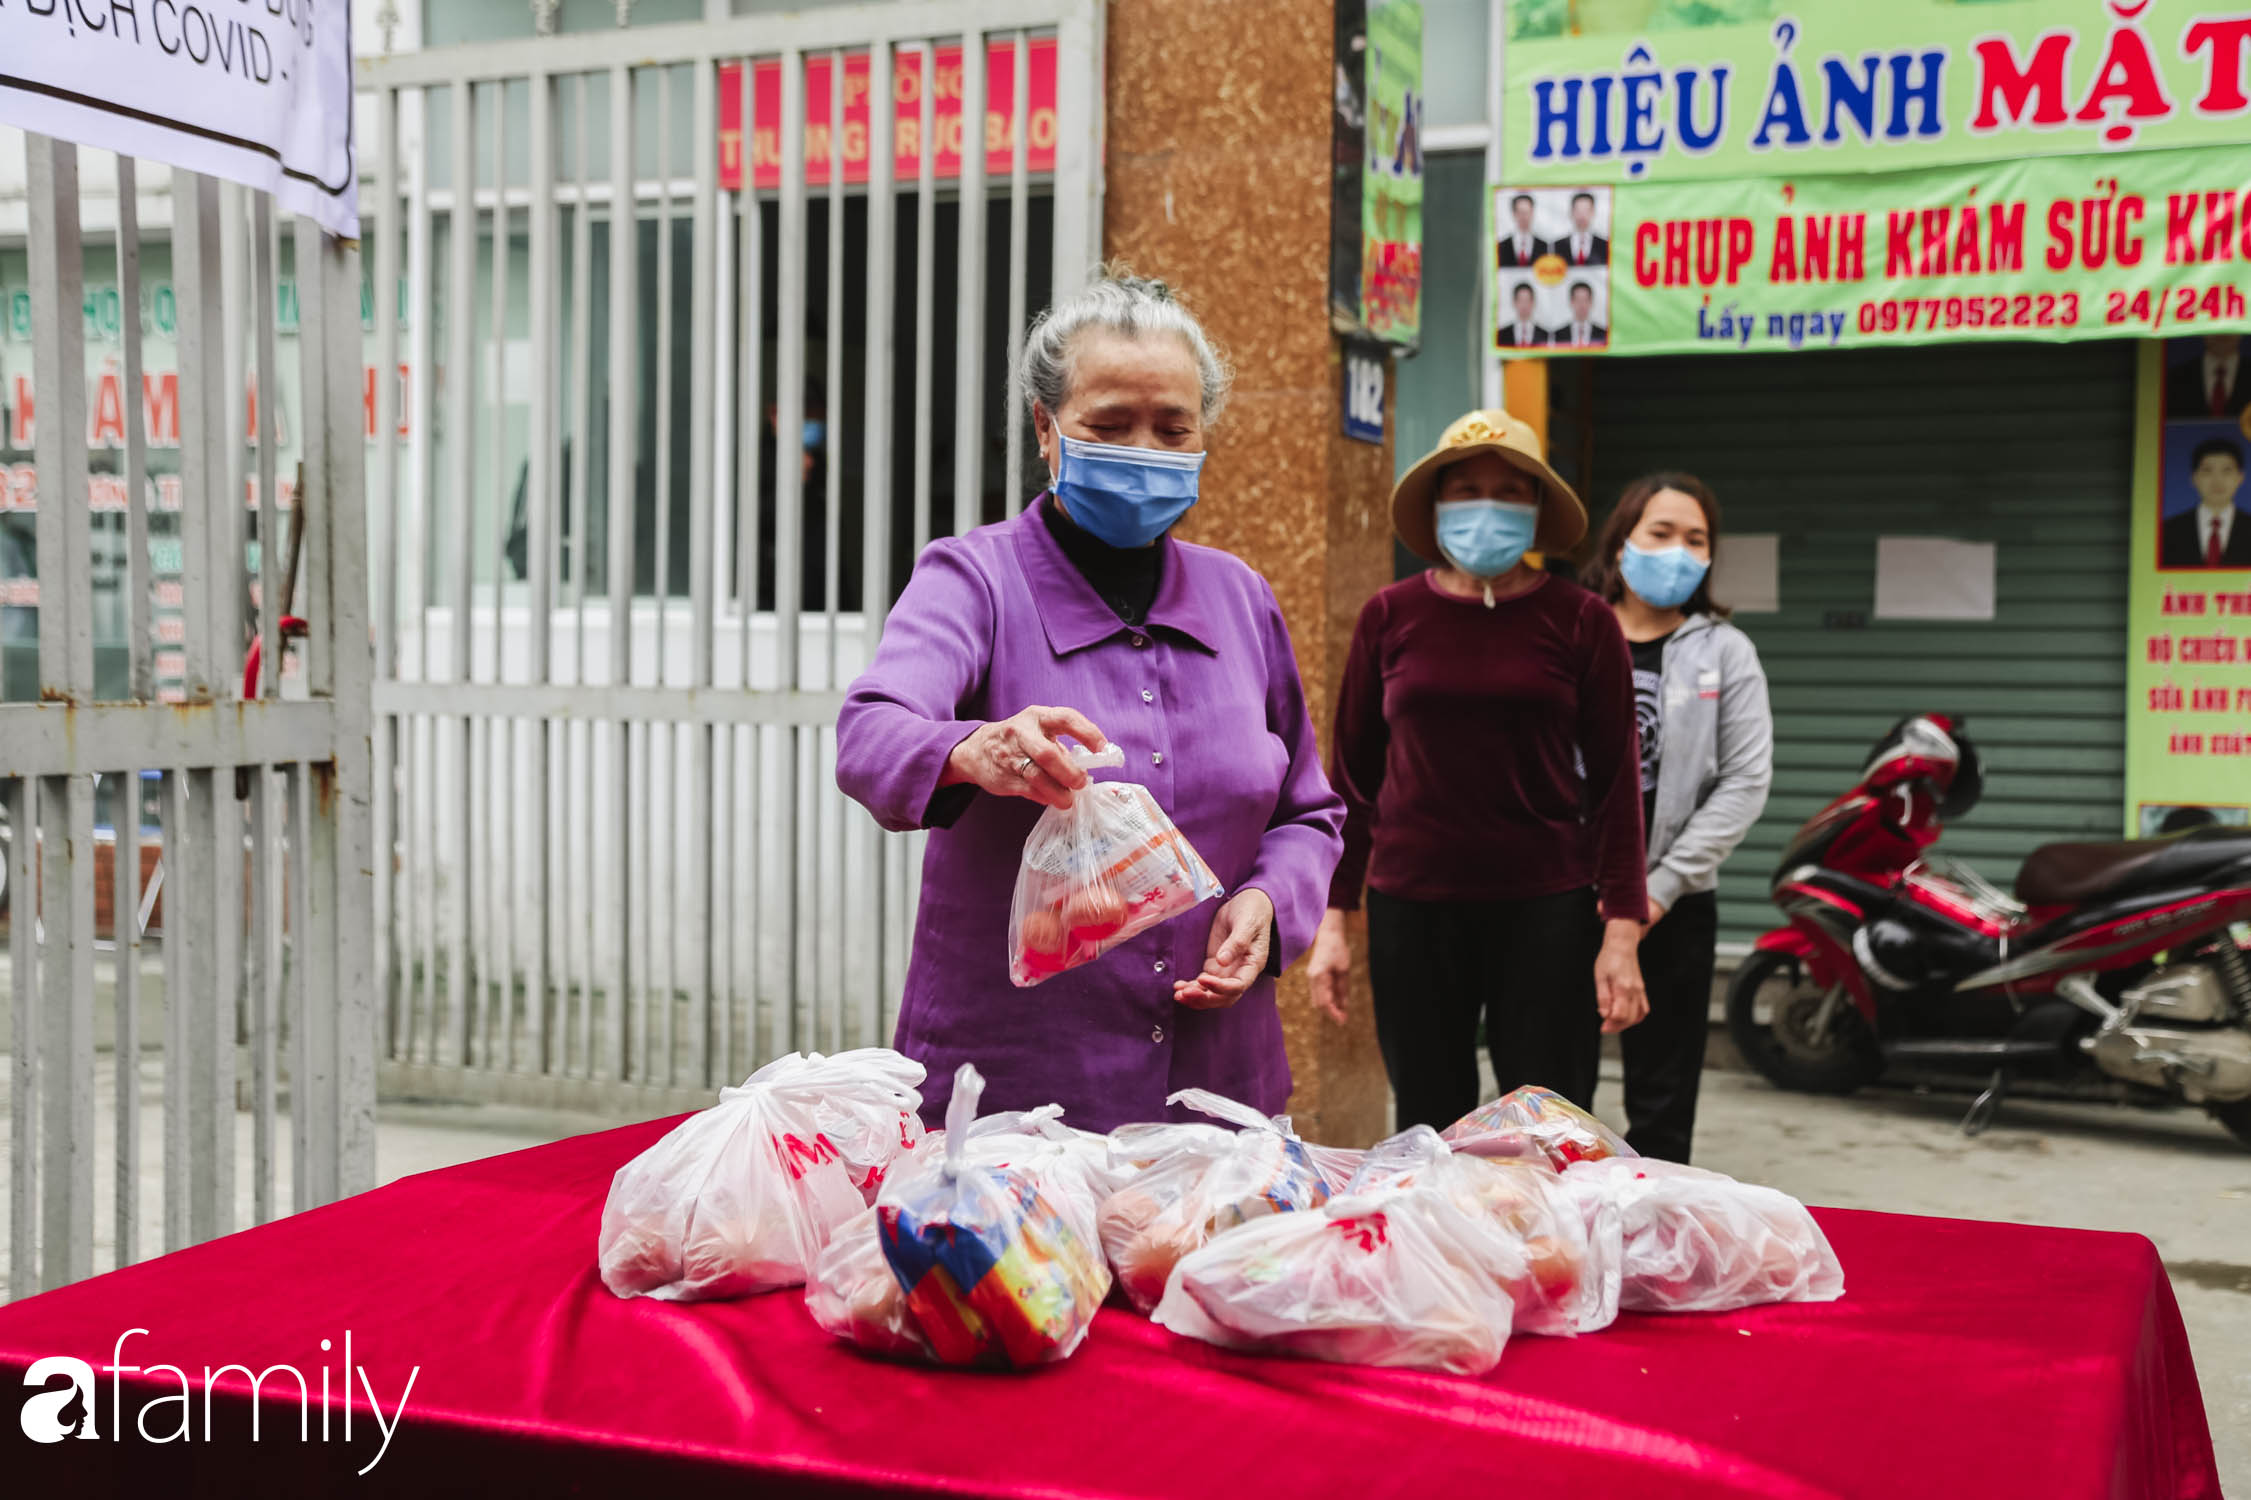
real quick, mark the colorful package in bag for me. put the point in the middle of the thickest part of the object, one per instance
(1535, 1124)
(1561, 1280)
(998, 1260)
(743, 1196)
(1688, 1240)
(1206, 1181)
(1396, 1276)
(1104, 869)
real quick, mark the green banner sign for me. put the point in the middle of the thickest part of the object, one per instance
(1376, 195)
(1391, 198)
(1619, 91)
(2045, 247)
(2188, 708)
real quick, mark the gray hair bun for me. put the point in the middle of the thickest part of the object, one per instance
(1119, 302)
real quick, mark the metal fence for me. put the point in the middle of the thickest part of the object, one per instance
(256, 965)
(617, 598)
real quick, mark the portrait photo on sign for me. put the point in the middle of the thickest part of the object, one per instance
(1551, 231)
(1573, 315)
(2205, 380)
(2205, 520)
(2158, 819)
(1551, 267)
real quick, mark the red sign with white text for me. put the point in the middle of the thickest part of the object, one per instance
(1001, 125)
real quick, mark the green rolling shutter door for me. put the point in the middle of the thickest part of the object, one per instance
(2027, 446)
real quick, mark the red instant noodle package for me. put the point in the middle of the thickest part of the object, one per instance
(1561, 1280)
(1395, 1276)
(1535, 1124)
(1108, 867)
(742, 1197)
(1195, 1182)
(1688, 1240)
(992, 1245)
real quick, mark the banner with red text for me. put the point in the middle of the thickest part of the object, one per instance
(113, 409)
(907, 89)
(1632, 91)
(2046, 247)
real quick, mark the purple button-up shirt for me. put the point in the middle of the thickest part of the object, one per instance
(1205, 699)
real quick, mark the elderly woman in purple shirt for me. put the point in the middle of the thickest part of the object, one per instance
(1083, 619)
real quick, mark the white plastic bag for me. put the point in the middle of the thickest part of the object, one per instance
(1197, 1181)
(1108, 867)
(742, 1197)
(1695, 1241)
(853, 1292)
(1562, 1281)
(1397, 1276)
(993, 1239)
(1535, 1124)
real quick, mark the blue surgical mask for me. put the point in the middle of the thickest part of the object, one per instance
(1125, 496)
(1664, 580)
(816, 433)
(1486, 538)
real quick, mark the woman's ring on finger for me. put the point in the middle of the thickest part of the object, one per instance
(1024, 768)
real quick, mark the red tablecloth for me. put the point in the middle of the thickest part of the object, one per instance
(1966, 1359)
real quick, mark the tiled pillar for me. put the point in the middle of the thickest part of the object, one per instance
(1217, 180)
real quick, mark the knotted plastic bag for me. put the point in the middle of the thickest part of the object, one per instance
(1197, 1181)
(1104, 869)
(1395, 1276)
(741, 1197)
(1535, 1124)
(1695, 1241)
(853, 1292)
(1562, 1280)
(993, 1241)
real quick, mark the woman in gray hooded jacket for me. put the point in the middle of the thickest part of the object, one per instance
(1707, 759)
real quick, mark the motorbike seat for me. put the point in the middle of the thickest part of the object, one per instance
(2063, 874)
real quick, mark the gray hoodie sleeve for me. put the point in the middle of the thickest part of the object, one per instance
(1745, 772)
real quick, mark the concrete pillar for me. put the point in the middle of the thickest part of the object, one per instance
(1218, 180)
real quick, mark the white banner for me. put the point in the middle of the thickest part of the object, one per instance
(256, 91)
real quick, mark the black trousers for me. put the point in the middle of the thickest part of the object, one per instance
(1525, 967)
(1665, 1053)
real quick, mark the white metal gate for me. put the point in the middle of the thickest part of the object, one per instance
(607, 674)
(258, 911)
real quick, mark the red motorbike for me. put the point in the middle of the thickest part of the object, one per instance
(2113, 964)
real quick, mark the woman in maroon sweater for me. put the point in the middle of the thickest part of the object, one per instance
(1485, 749)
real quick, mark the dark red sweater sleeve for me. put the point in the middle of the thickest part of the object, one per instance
(1357, 750)
(1611, 746)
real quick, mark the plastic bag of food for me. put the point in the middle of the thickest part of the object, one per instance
(742, 1196)
(993, 1242)
(1136, 1148)
(1206, 1180)
(1535, 1124)
(1396, 1276)
(1109, 866)
(851, 1293)
(1695, 1241)
(1070, 1162)
(1561, 1280)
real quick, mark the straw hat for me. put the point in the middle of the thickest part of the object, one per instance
(1563, 519)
